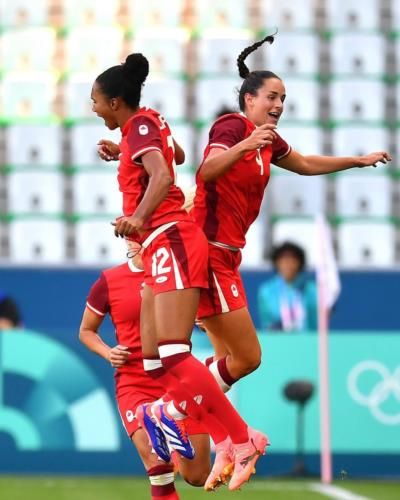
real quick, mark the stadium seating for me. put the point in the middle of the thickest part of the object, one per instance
(363, 193)
(96, 192)
(292, 194)
(148, 15)
(287, 14)
(87, 13)
(29, 145)
(305, 138)
(83, 139)
(77, 90)
(358, 249)
(20, 13)
(351, 15)
(214, 93)
(256, 237)
(166, 95)
(302, 99)
(220, 15)
(357, 99)
(35, 191)
(353, 140)
(294, 53)
(37, 241)
(95, 243)
(299, 230)
(357, 53)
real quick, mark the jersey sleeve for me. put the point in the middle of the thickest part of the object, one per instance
(226, 133)
(280, 149)
(97, 300)
(143, 136)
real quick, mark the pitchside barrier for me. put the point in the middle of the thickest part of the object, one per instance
(57, 412)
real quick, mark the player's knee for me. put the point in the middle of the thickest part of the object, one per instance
(196, 477)
(250, 363)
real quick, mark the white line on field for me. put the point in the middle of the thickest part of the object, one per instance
(336, 492)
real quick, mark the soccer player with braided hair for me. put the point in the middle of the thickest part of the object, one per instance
(230, 187)
(175, 260)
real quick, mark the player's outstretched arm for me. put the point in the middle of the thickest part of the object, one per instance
(317, 165)
(108, 150)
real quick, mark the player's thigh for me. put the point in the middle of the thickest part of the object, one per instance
(196, 471)
(235, 331)
(175, 313)
(219, 346)
(147, 323)
(141, 442)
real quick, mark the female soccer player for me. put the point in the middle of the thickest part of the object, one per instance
(175, 259)
(230, 186)
(117, 292)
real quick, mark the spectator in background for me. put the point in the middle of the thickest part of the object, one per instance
(10, 316)
(288, 301)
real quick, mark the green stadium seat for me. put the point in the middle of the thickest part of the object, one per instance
(96, 191)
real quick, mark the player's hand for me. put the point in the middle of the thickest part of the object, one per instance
(118, 355)
(373, 158)
(261, 136)
(124, 226)
(108, 150)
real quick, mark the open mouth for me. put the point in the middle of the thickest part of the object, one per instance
(274, 115)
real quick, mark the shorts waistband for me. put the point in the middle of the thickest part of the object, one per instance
(224, 245)
(157, 232)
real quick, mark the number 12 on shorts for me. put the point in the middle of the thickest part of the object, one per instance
(160, 258)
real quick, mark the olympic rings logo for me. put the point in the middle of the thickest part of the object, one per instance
(387, 386)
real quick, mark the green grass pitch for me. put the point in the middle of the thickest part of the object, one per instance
(100, 488)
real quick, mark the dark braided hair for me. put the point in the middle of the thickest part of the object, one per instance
(253, 80)
(125, 80)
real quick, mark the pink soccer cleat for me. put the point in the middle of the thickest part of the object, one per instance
(223, 465)
(246, 456)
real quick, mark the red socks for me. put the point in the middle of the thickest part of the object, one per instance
(162, 483)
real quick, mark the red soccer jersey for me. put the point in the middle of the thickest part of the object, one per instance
(118, 293)
(225, 208)
(147, 131)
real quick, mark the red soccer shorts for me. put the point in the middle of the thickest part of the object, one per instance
(131, 392)
(225, 287)
(176, 257)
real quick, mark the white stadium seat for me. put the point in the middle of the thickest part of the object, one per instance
(256, 237)
(87, 13)
(363, 243)
(293, 54)
(166, 57)
(148, 14)
(96, 192)
(83, 143)
(292, 194)
(297, 230)
(302, 99)
(288, 14)
(184, 136)
(358, 54)
(35, 191)
(93, 49)
(304, 138)
(214, 93)
(352, 14)
(18, 13)
(357, 99)
(27, 95)
(218, 51)
(363, 193)
(352, 140)
(167, 96)
(77, 90)
(37, 241)
(16, 52)
(222, 14)
(95, 243)
(33, 145)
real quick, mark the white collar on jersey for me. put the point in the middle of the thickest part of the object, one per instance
(133, 268)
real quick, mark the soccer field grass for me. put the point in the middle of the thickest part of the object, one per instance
(92, 488)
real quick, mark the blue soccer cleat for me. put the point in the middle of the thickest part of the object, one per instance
(153, 431)
(174, 431)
